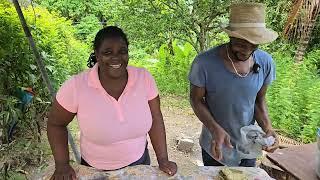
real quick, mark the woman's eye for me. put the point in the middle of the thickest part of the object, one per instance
(107, 53)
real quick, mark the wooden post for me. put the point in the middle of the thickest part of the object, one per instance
(43, 70)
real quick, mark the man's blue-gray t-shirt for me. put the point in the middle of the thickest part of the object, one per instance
(230, 98)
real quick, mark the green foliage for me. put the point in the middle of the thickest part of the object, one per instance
(87, 28)
(15, 55)
(63, 54)
(189, 21)
(315, 37)
(195, 22)
(219, 39)
(179, 29)
(86, 16)
(293, 98)
(8, 113)
(171, 71)
(75, 10)
(314, 60)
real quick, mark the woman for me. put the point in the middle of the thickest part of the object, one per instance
(116, 106)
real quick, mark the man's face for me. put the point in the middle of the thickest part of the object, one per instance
(241, 49)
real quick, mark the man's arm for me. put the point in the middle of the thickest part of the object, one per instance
(202, 112)
(200, 108)
(262, 117)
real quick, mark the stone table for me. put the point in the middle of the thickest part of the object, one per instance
(143, 172)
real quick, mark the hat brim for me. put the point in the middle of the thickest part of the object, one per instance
(252, 35)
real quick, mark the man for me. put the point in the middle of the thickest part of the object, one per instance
(229, 85)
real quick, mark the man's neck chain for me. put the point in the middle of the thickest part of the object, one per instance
(234, 67)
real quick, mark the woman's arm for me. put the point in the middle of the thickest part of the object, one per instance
(57, 133)
(157, 135)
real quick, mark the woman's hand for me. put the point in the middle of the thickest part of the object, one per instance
(64, 172)
(168, 167)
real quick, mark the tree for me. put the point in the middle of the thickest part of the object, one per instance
(300, 24)
(75, 10)
(196, 22)
(198, 18)
(86, 16)
(189, 21)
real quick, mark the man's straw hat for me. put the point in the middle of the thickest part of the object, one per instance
(247, 21)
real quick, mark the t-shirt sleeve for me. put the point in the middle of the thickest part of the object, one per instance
(67, 95)
(151, 86)
(197, 75)
(270, 74)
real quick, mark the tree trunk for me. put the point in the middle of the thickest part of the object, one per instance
(304, 40)
(313, 10)
(202, 38)
(42, 69)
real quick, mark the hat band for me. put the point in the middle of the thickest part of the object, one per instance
(247, 25)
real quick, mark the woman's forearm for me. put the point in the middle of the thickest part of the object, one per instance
(157, 135)
(58, 139)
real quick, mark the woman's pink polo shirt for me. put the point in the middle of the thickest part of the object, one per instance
(113, 133)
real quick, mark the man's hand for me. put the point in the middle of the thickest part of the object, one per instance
(271, 132)
(168, 167)
(64, 172)
(221, 137)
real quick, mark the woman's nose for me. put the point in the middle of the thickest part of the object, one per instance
(115, 57)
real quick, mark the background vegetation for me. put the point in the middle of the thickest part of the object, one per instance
(165, 37)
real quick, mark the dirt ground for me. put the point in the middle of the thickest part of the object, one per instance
(180, 120)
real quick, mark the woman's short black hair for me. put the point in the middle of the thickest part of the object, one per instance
(107, 32)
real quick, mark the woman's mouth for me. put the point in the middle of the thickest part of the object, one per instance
(115, 66)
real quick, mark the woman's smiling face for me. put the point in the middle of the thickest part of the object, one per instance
(112, 56)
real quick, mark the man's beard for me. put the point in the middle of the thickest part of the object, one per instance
(235, 54)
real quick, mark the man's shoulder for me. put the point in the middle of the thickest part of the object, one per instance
(207, 55)
(263, 55)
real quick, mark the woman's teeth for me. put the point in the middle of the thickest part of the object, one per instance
(116, 66)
